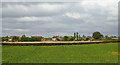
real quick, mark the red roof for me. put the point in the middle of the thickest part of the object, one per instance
(56, 37)
(36, 37)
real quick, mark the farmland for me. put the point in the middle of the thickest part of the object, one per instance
(91, 53)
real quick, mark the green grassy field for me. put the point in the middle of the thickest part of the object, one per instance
(92, 53)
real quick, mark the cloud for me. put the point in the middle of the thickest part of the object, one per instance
(38, 9)
(28, 19)
(19, 30)
(85, 17)
(77, 15)
(35, 19)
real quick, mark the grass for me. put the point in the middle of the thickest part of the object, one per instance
(114, 38)
(92, 53)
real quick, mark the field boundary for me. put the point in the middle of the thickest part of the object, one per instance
(51, 43)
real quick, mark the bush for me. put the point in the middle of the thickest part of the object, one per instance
(79, 39)
(67, 38)
(57, 39)
(25, 39)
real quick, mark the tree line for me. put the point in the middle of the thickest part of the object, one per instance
(76, 37)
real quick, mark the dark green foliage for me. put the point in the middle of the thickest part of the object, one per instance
(57, 39)
(25, 39)
(23, 36)
(84, 36)
(70, 38)
(30, 39)
(48, 39)
(67, 38)
(15, 38)
(5, 38)
(74, 35)
(35, 39)
(106, 37)
(77, 35)
(102, 36)
(0, 39)
(87, 39)
(79, 39)
(109, 38)
(97, 35)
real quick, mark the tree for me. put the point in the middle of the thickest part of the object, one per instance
(65, 38)
(84, 36)
(79, 38)
(15, 38)
(57, 39)
(102, 36)
(77, 35)
(97, 35)
(106, 37)
(23, 36)
(5, 38)
(68, 38)
(24, 39)
(74, 36)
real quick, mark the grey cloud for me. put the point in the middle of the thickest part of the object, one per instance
(33, 9)
(53, 19)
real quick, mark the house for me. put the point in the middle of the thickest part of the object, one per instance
(11, 38)
(42, 39)
(54, 38)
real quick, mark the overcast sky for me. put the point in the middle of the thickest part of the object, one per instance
(59, 18)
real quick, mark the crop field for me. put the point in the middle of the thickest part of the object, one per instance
(89, 53)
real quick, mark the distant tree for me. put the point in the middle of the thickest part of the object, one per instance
(65, 38)
(77, 35)
(0, 39)
(106, 36)
(115, 36)
(15, 38)
(57, 39)
(68, 38)
(109, 38)
(102, 36)
(84, 36)
(97, 35)
(87, 39)
(23, 36)
(74, 36)
(79, 38)
(25, 39)
(5, 38)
